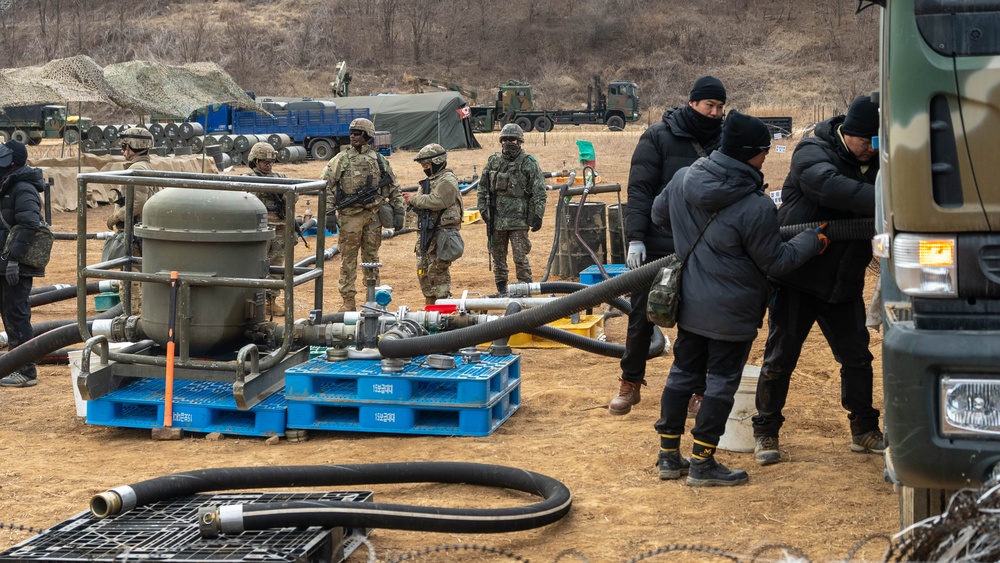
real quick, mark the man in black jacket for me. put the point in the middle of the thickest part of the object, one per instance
(685, 134)
(20, 205)
(832, 177)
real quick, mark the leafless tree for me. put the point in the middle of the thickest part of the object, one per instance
(418, 16)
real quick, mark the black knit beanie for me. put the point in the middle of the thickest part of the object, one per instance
(862, 118)
(708, 88)
(744, 136)
(19, 152)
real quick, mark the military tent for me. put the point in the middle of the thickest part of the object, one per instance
(418, 119)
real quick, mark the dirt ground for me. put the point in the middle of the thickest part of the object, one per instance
(820, 502)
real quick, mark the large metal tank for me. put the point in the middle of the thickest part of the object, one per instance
(216, 233)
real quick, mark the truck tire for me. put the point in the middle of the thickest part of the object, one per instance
(918, 504)
(524, 123)
(543, 124)
(21, 135)
(71, 136)
(616, 123)
(321, 150)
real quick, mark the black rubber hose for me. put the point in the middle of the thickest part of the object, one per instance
(45, 288)
(35, 349)
(557, 499)
(46, 326)
(73, 236)
(841, 229)
(61, 294)
(524, 321)
(571, 287)
(555, 238)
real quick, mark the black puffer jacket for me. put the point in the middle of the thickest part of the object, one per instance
(826, 183)
(663, 149)
(724, 286)
(21, 204)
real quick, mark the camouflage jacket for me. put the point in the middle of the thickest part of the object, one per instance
(275, 203)
(515, 190)
(444, 196)
(347, 173)
(142, 194)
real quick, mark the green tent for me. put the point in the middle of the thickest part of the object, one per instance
(416, 120)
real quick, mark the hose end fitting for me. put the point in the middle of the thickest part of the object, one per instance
(105, 504)
(209, 522)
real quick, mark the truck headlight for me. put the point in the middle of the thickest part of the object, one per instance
(925, 265)
(970, 406)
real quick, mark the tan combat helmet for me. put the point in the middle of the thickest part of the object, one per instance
(261, 151)
(365, 125)
(136, 138)
(512, 131)
(433, 152)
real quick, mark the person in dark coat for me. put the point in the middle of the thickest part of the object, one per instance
(20, 204)
(685, 134)
(725, 231)
(832, 177)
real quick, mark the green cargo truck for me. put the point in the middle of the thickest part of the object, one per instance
(31, 124)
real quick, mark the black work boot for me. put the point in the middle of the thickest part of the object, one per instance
(710, 473)
(672, 465)
(501, 289)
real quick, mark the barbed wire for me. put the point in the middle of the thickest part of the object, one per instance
(21, 528)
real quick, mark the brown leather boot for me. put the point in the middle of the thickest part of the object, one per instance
(628, 395)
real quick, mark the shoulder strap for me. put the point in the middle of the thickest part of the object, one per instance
(698, 149)
(697, 240)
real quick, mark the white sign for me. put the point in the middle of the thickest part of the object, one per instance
(779, 148)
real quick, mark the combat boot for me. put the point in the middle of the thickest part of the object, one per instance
(710, 473)
(275, 305)
(349, 304)
(672, 465)
(501, 289)
(628, 395)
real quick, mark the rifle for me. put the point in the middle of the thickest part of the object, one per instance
(491, 217)
(426, 224)
(279, 210)
(367, 194)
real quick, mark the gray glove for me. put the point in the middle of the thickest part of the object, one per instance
(13, 273)
(636, 254)
(331, 221)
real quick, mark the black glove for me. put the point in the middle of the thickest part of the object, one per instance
(13, 273)
(397, 218)
(331, 221)
(536, 223)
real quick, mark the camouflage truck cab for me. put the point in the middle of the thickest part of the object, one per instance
(940, 243)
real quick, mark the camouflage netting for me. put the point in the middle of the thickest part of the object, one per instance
(143, 87)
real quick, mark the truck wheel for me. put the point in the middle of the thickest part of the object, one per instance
(524, 123)
(321, 150)
(71, 136)
(21, 135)
(543, 124)
(616, 123)
(918, 504)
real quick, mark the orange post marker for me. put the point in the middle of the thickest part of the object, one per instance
(168, 394)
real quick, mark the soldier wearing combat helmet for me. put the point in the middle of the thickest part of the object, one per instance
(511, 200)
(261, 160)
(359, 182)
(439, 209)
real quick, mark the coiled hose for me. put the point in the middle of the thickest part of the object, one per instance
(234, 519)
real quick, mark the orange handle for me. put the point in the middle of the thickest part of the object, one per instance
(168, 393)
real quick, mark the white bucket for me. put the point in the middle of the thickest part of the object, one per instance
(739, 427)
(75, 357)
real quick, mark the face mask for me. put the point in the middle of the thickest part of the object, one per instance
(510, 148)
(428, 172)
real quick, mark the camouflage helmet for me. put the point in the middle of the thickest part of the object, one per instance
(512, 131)
(136, 138)
(433, 152)
(262, 151)
(365, 125)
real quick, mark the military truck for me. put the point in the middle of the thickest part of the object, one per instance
(938, 217)
(515, 104)
(31, 124)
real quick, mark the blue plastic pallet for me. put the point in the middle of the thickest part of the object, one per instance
(592, 275)
(363, 381)
(311, 232)
(399, 419)
(198, 406)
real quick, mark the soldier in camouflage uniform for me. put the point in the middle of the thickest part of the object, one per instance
(360, 169)
(511, 199)
(439, 205)
(135, 142)
(261, 160)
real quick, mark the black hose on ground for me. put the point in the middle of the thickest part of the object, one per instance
(46, 288)
(557, 499)
(560, 203)
(523, 322)
(35, 349)
(73, 236)
(571, 287)
(61, 294)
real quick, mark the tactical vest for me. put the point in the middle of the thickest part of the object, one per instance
(507, 178)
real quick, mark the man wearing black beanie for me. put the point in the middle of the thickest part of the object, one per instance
(726, 233)
(832, 178)
(683, 135)
(20, 206)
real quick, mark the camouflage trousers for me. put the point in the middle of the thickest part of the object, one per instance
(361, 231)
(520, 245)
(433, 274)
(136, 287)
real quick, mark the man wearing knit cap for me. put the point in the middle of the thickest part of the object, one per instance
(684, 134)
(725, 230)
(832, 178)
(20, 206)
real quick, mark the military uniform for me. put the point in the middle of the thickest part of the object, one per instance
(275, 204)
(512, 190)
(116, 222)
(439, 201)
(359, 227)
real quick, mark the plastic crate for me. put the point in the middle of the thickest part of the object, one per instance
(106, 300)
(198, 406)
(471, 216)
(592, 275)
(591, 326)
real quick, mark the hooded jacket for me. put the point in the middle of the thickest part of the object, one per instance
(21, 204)
(662, 150)
(724, 287)
(826, 183)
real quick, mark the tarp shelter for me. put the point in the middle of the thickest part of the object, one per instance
(416, 120)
